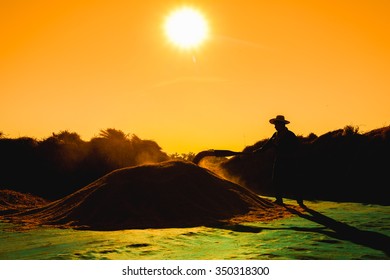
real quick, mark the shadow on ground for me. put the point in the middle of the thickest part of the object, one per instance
(328, 227)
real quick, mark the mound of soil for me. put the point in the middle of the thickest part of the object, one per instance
(169, 194)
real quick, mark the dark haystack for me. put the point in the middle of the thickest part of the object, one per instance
(169, 194)
(12, 201)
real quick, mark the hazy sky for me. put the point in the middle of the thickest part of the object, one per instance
(83, 66)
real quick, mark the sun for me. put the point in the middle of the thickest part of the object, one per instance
(186, 27)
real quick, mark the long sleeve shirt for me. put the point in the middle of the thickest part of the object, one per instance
(285, 144)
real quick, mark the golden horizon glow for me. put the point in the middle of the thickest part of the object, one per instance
(88, 65)
(186, 27)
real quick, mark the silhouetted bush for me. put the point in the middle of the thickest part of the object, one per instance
(62, 163)
(350, 130)
(183, 156)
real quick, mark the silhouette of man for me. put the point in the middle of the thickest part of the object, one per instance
(286, 145)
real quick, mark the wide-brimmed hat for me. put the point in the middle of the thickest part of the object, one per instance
(280, 119)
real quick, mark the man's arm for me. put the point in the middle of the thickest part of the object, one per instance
(267, 144)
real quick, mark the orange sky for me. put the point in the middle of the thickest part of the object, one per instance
(89, 65)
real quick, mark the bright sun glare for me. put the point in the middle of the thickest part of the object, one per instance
(186, 27)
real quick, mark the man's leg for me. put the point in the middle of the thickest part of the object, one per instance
(277, 183)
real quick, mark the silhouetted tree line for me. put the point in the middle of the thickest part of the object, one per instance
(183, 156)
(341, 165)
(62, 163)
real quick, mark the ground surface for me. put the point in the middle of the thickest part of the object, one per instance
(326, 230)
